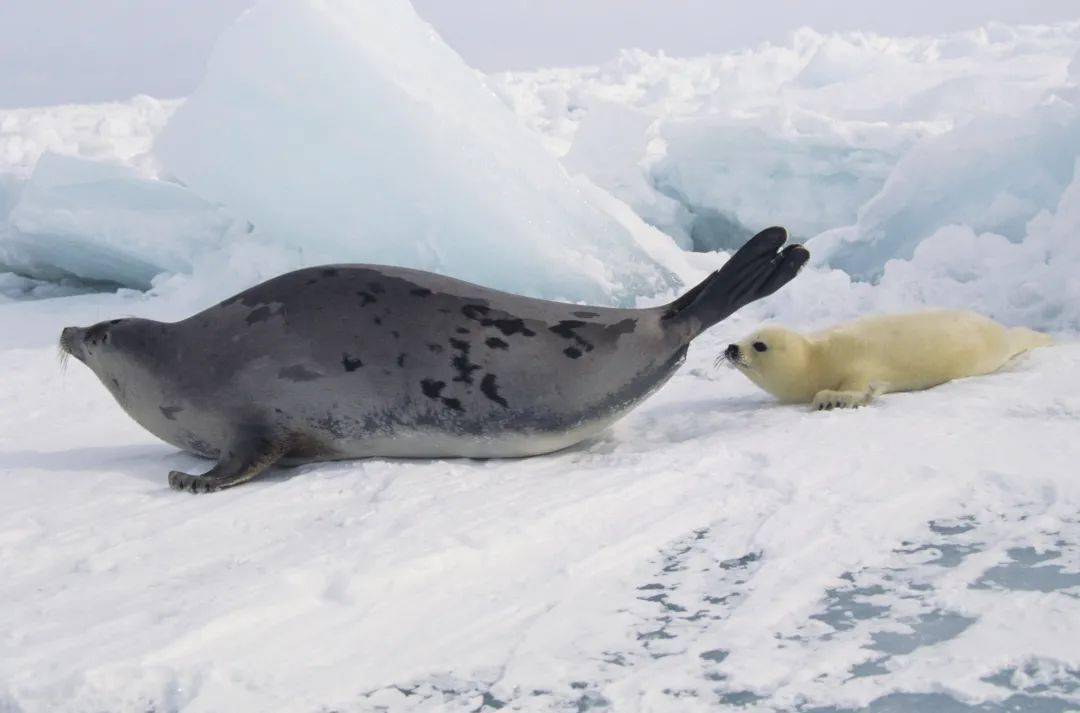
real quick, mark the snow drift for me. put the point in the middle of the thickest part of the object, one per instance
(352, 131)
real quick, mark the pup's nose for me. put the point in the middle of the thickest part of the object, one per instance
(732, 352)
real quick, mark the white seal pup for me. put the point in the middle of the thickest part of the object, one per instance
(848, 365)
(350, 361)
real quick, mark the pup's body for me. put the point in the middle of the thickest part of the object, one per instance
(847, 365)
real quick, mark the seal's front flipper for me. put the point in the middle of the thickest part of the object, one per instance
(239, 465)
(758, 269)
(828, 399)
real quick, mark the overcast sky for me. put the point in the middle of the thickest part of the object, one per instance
(56, 51)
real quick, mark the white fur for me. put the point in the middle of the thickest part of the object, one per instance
(847, 365)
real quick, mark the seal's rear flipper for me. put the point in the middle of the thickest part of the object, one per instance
(239, 465)
(757, 270)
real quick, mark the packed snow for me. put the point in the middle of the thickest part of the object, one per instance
(713, 550)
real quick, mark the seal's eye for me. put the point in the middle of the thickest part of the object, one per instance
(760, 347)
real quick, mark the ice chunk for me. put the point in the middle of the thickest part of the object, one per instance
(353, 131)
(1032, 282)
(101, 222)
(735, 174)
(993, 175)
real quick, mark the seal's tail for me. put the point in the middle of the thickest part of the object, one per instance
(757, 270)
(1022, 339)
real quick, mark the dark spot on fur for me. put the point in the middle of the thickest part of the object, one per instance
(453, 404)
(298, 372)
(115, 383)
(510, 327)
(378, 320)
(490, 389)
(376, 288)
(572, 352)
(432, 388)
(420, 292)
(444, 310)
(585, 314)
(312, 281)
(401, 359)
(350, 364)
(115, 321)
(565, 329)
(461, 362)
(395, 333)
(329, 272)
(170, 412)
(435, 348)
(496, 343)
(461, 330)
(616, 330)
(366, 298)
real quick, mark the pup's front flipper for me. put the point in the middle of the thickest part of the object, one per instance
(827, 399)
(239, 465)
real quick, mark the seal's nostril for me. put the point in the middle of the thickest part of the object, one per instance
(732, 352)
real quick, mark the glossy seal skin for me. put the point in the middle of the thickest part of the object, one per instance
(351, 361)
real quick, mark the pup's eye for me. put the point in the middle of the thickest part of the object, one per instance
(760, 346)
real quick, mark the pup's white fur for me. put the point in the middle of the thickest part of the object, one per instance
(847, 365)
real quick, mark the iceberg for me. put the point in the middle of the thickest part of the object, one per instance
(353, 132)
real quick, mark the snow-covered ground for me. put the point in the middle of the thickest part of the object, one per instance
(712, 550)
(712, 547)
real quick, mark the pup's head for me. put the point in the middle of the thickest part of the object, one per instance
(774, 358)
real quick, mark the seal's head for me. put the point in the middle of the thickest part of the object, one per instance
(121, 352)
(776, 359)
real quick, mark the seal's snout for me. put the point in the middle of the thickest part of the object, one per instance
(730, 356)
(71, 341)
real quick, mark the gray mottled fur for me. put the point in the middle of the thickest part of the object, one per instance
(350, 361)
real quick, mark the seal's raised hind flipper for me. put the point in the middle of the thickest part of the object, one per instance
(241, 464)
(758, 269)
